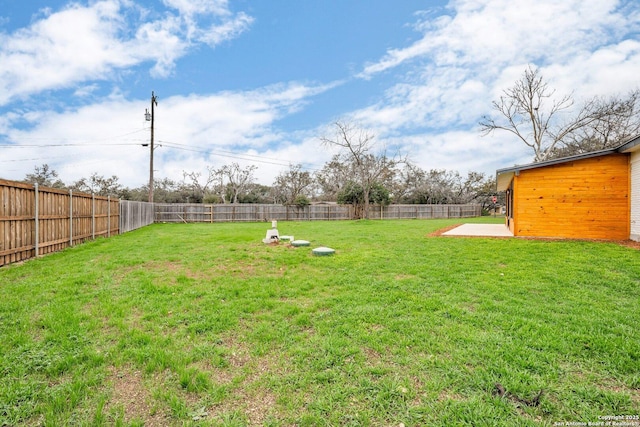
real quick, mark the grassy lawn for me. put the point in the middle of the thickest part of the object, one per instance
(203, 324)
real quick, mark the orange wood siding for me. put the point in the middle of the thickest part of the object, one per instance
(581, 199)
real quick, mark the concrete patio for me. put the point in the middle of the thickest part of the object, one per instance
(484, 230)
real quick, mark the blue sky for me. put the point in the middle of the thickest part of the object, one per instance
(259, 82)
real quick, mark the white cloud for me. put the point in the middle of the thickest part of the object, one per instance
(191, 132)
(84, 91)
(461, 151)
(195, 7)
(81, 43)
(230, 29)
(442, 84)
(498, 32)
(466, 59)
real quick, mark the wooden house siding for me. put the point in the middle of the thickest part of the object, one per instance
(586, 198)
(635, 196)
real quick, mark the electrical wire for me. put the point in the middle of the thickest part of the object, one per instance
(33, 159)
(80, 139)
(168, 144)
(64, 145)
(233, 155)
(224, 153)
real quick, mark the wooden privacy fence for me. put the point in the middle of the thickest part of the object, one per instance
(181, 212)
(36, 220)
(134, 215)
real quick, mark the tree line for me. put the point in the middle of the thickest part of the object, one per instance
(361, 174)
(356, 175)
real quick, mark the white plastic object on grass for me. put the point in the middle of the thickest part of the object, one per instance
(297, 243)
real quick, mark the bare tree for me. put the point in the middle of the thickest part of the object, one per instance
(44, 176)
(618, 120)
(291, 185)
(367, 169)
(98, 184)
(440, 186)
(238, 179)
(208, 185)
(332, 178)
(226, 184)
(531, 111)
(408, 180)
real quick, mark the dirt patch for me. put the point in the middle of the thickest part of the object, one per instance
(626, 243)
(132, 397)
(441, 231)
(500, 391)
(449, 395)
(373, 357)
(250, 398)
(418, 387)
(259, 407)
(244, 374)
(615, 387)
(630, 244)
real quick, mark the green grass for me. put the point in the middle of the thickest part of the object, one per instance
(205, 325)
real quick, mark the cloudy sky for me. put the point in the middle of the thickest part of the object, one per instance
(259, 82)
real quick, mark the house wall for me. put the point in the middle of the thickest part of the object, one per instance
(586, 198)
(635, 196)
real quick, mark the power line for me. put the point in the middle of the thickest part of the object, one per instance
(231, 154)
(168, 144)
(32, 159)
(64, 145)
(81, 139)
(224, 153)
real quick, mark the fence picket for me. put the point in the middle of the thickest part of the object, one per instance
(36, 220)
(194, 212)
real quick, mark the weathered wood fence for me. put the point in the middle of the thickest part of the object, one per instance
(135, 215)
(181, 212)
(36, 221)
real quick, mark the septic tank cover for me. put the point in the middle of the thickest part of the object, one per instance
(323, 251)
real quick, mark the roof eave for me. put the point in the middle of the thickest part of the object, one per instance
(504, 180)
(505, 175)
(630, 146)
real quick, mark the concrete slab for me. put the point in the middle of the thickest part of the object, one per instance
(486, 230)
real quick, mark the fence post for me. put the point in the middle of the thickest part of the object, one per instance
(70, 217)
(109, 216)
(37, 220)
(93, 216)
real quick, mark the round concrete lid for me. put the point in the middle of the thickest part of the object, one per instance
(300, 243)
(323, 251)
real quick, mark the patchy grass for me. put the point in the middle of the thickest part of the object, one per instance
(206, 325)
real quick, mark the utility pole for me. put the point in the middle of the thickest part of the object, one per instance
(151, 117)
